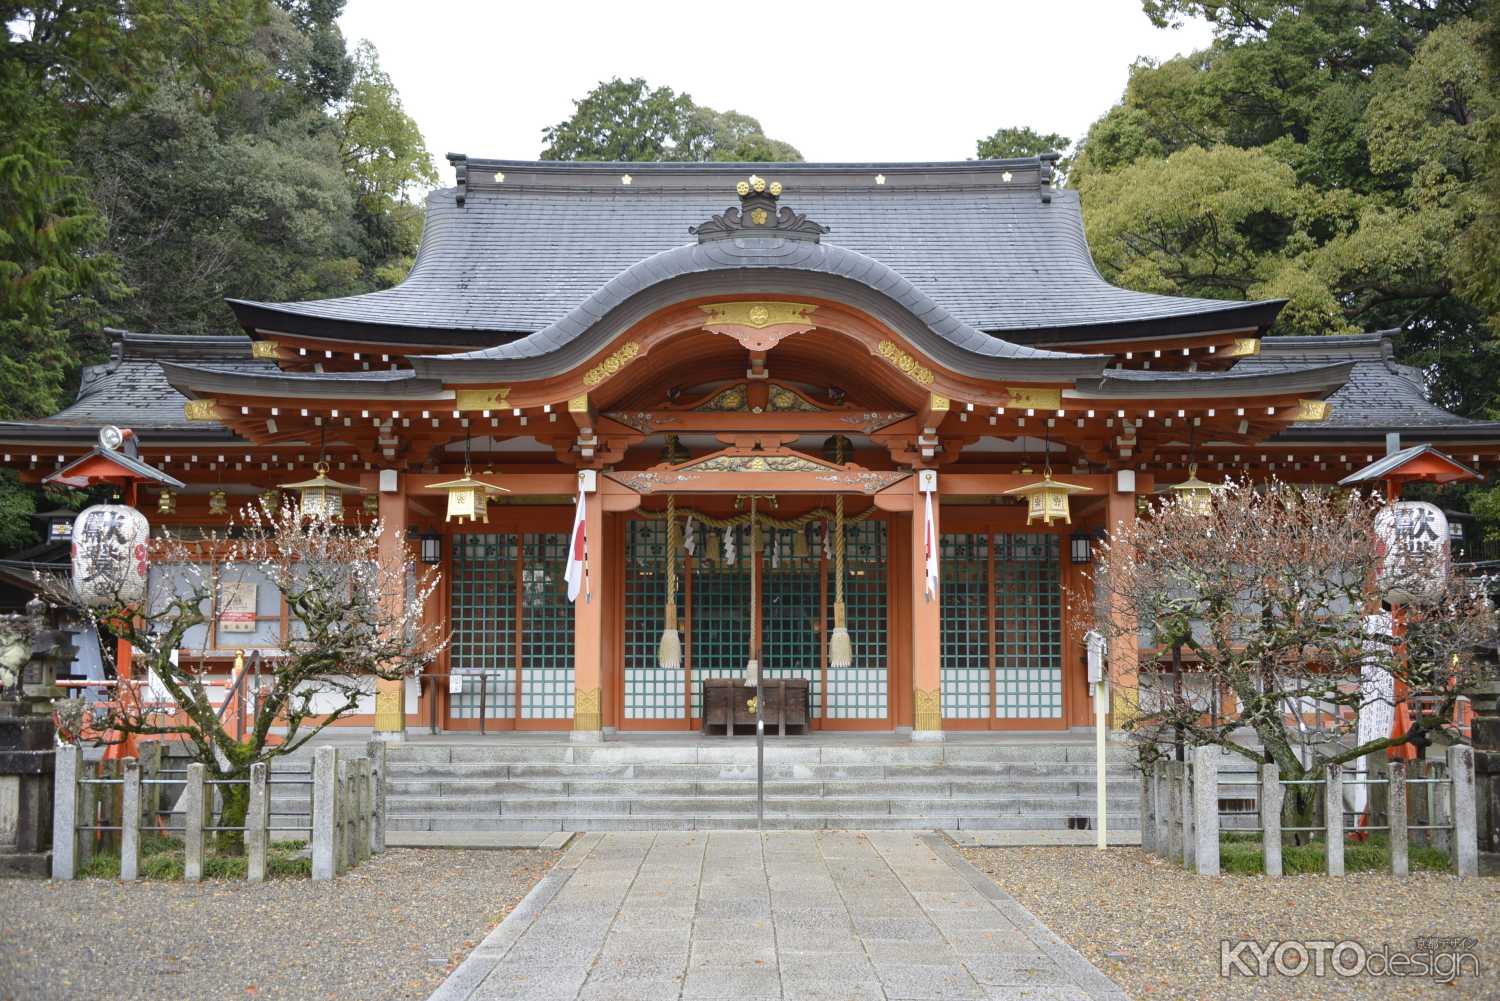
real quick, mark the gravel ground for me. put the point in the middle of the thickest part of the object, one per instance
(1156, 929)
(392, 928)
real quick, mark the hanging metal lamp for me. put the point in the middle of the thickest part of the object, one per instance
(1047, 499)
(468, 498)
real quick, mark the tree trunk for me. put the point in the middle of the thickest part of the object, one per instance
(235, 804)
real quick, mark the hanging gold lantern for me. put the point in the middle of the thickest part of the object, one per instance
(218, 502)
(270, 500)
(1047, 499)
(1197, 496)
(468, 498)
(166, 503)
(371, 504)
(321, 496)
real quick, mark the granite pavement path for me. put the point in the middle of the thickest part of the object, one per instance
(789, 915)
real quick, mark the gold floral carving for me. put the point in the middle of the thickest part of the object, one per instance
(928, 710)
(1242, 347)
(759, 326)
(579, 404)
(612, 365)
(905, 363)
(1313, 410)
(205, 409)
(783, 399)
(759, 464)
(726, 401)
(263, 349)
(1028, 397)
(586, 709)
(482, 399)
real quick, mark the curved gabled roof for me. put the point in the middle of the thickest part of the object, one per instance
(984, 240)
(758, 264)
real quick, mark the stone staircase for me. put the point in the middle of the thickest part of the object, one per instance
(699, 784)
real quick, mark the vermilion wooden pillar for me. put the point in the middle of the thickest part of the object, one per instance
(926, 611)
(588, 629)
(390, 695)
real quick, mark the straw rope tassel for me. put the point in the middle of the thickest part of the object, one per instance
(840, 647)
(669, 653)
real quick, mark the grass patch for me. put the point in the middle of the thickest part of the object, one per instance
(1241, 854)
(162, 859)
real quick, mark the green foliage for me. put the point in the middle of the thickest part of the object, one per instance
(628, 120)
(49, 277)
(1020, 141)
(158, 155)
(162, 859)
(1345, 157)
(1242, 856)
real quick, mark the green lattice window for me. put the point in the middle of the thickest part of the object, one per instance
(1028, 626)
(860, 691)
(483, 591)
(791, 609)
(965, 579)
(650, 691)
(546, 629)
(721, 605)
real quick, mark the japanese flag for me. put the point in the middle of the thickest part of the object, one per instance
(930, 543)
(577, 574)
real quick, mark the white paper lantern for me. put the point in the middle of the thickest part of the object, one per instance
(110, 555)
(1414, 536)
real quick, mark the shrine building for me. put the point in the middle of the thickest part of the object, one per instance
(841, 347)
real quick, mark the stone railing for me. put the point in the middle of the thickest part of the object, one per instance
(119, 800)
(1180, 812)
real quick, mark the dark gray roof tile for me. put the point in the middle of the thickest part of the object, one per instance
(517, 257)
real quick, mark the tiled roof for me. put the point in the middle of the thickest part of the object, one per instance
(131, 390)
(1381, 394)
(983, 240)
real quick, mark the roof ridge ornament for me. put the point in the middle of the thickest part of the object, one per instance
(758, 214)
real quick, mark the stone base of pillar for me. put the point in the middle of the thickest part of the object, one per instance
(611, 731)
(389, 736)
(585, 736)
(903, 731)
(926, 736)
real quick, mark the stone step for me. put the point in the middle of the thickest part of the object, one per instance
(779, 772)
(927, 788)
(820, 806)
(744, 821)
(709, 752)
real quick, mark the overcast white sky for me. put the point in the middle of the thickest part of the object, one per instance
(917, 80)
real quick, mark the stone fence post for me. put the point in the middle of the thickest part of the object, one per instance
(1206, 810)
(1272, 796)
(324, 812)
(1333, 814)
(1176, 833)
(257, 823)
(130, 819)
(194, 805)
(1396, 807)
(1148, 809)
(379, 763)
(1162, 807)
(67, 766)
(1465, 839)
(365, 800)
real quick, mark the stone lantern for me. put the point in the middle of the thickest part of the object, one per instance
(32, 649)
